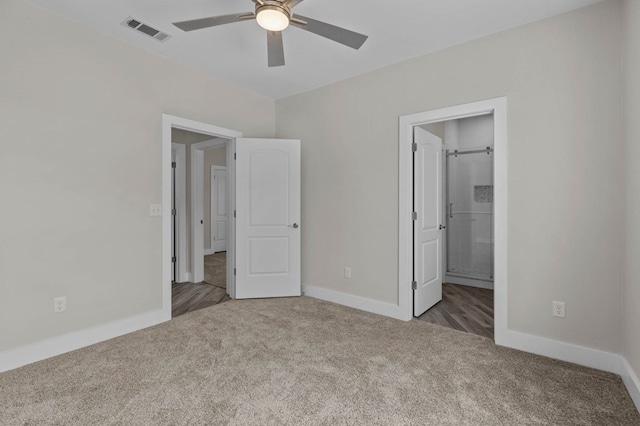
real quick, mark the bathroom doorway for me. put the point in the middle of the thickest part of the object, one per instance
(455, 182)
(466, 302)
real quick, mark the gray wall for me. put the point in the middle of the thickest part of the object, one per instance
(75, 221)
(632, 183)
(81, 117)
(565, 178)
(435, 128)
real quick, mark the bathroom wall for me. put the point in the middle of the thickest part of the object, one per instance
(468, 133)
(469, 201)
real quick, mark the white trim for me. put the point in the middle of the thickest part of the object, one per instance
(469, 282)
(181, 207)
(212, 207)
(563, 351)
(231, 223)
(14, 358)
(208, 251)
(631, 381)
(498, 107)
(197, 198)
(168, 122)
(357, 302)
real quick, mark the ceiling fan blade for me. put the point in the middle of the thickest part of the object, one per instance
(275, 48)
(340, 35)
(292, 3)
(213, 21)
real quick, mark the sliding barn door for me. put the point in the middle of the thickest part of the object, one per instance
(267, 218)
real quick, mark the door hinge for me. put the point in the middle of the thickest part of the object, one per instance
(173, 259)
(414, 285)
(174, 212)
(234, 213)
(414, 147)
(173, 164)
(234, 155)
(414, 216)
(234, 271)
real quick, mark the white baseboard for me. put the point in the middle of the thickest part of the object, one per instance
(208, 251)
(358, 302)
(184, 277)
(14, 358)
(563, 351)
(631, 381)
(468, 282)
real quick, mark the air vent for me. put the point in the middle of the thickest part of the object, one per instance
(143, 28)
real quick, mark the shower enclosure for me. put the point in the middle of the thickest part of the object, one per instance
(469, 202)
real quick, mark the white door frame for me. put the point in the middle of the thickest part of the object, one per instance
(498, 107)
(169, 122)
(197, 202)
(181, 211)
(212, 204)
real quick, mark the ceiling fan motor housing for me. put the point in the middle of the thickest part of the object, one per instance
(273, 5)
(271, 8)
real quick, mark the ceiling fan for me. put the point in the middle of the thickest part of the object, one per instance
(274, 16)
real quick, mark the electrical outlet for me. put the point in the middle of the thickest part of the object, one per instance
(155, 210)
(347, 272)
(558, 309)
(59, 304)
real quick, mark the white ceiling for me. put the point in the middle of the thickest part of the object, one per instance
(397, 30)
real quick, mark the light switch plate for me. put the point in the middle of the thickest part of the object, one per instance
(155, 210)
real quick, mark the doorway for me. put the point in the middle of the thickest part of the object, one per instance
(423, 266)
(205, 157)
(192, 249)
(460, 164)
(190, 293)
(263, 234)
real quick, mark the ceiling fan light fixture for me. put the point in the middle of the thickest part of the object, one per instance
(272, 18)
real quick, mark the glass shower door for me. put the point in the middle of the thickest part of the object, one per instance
(470, 214)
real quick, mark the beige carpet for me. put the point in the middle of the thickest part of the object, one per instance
(300, 361)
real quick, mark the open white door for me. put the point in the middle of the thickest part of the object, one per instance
(218, 208)
(427, 226)
(267, 218)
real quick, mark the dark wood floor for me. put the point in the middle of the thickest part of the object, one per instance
(215, 269)
(463, 308)
(188, 297)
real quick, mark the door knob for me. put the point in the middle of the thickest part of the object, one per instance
(295, 225)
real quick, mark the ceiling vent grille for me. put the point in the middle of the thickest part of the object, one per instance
(136, 24)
